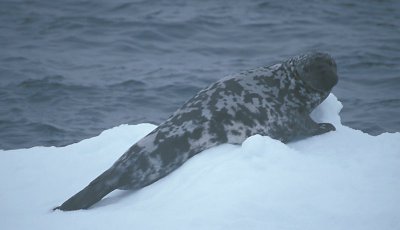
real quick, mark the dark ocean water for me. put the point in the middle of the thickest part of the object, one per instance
(71, 69)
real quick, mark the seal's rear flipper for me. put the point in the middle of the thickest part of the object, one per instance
(96, 190)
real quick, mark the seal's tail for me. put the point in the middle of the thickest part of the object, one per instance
(96, 190)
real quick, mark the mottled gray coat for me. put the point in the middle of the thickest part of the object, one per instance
(274, 101)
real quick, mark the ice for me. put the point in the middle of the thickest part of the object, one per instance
(345, 179)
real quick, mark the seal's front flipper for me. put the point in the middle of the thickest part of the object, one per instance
(307, 127)
(323, 128)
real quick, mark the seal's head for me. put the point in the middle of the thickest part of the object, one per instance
(317, 70)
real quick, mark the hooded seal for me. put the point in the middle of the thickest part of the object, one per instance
(275, 101)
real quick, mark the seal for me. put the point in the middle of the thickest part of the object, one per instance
(275, 101)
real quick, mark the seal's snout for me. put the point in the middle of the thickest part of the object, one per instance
(325, 76)
(318, 70)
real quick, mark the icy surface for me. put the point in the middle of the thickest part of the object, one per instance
(340, 180)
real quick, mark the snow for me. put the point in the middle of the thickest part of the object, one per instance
(345, 179)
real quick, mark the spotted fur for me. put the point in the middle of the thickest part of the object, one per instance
(275, 101)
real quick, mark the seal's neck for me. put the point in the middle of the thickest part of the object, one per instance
(298, 91)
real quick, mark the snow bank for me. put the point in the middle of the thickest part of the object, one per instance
(340, 180)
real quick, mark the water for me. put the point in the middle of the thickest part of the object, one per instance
(71, 69)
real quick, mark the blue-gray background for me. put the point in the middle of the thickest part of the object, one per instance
(70, 69)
